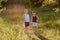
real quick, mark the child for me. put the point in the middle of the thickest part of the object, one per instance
(26, 19)
(34, 20)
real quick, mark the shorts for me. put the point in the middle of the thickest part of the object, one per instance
(26, 24)
(34, 24)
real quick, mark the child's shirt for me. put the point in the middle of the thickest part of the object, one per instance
(34, 19)
(27, 18)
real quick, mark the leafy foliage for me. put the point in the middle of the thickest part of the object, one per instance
(2, 3)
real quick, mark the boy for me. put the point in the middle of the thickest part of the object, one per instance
(26, 19)
(34, 20)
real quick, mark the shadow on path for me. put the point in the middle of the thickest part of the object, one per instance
(36, 36)
(40, 36)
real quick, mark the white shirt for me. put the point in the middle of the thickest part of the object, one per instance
(27, 18)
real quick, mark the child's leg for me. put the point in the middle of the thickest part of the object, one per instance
(34, 29)
(26, 26)
(34, 26)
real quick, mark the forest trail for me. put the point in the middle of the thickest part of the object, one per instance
(14, 15)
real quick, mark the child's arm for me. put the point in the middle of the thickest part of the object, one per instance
(37, 18)
(31, 20)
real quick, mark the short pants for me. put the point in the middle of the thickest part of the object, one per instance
(34, 24)
(26, 24)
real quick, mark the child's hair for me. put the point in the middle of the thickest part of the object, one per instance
(33, 12)
(25, 10)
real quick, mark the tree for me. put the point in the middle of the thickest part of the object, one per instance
(33, 3)
(36, 3)
(49, 3)
(43, 3)
(2, 3)
(58, 3)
